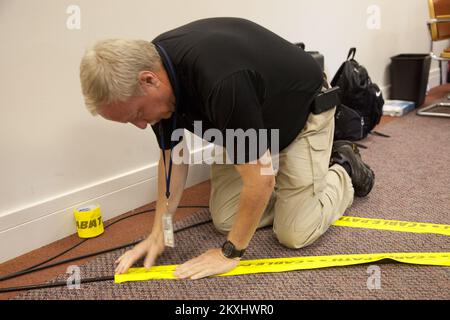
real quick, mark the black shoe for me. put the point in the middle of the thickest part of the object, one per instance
(346, 154)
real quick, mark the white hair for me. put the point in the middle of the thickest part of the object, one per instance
(109, 71)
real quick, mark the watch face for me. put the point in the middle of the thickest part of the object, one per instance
(228, 249)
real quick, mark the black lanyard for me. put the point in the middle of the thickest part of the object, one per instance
(167, 175)
(173, 79)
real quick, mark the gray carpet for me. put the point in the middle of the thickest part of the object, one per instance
(413, 184)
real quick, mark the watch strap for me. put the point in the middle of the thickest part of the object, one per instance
(229, 250)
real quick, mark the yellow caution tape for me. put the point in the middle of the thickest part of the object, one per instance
(315, 262)
(89, 221)
(295, 263)
(393, 225)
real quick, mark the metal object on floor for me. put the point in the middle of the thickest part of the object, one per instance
(428, 111)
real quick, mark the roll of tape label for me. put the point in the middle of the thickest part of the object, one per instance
(89, 221)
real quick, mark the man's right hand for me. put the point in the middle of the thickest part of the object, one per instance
(151, 248)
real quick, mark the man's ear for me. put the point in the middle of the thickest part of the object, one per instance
(149, 78)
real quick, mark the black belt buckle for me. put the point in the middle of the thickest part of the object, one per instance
(326, 100)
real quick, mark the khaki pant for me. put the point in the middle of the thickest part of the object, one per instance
(308, 196)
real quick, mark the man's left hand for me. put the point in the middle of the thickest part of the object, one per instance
(210, 263)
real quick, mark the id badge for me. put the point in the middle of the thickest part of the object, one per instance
(169, 239)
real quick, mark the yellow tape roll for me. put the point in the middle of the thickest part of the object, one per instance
(89, 221)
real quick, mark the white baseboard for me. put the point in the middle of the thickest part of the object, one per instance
(39, 224)
(435, 79)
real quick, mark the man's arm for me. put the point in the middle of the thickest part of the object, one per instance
(256, 191)
(153, 245)
(236, 103)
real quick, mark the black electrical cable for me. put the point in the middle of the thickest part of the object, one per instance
(87, 255)
(71, 248)
(38, 267)
(88, 280)
(35, 267)
(54, 284)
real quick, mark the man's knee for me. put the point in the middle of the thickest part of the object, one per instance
(222, 211)
(295, 240)
(221, 225)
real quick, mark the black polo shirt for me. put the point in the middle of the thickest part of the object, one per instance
(235, 74)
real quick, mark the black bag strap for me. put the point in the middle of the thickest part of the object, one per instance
(351, 54)
(380, 134)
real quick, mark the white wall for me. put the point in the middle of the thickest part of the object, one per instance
(55, 156)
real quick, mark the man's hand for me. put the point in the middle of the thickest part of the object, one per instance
(151, 247)
(209, 263)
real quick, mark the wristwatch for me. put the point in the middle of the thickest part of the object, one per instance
(229, 250)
